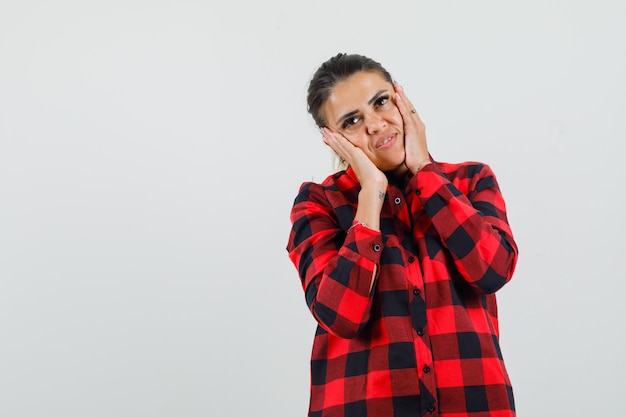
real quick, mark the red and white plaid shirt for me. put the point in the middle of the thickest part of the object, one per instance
(423, 339)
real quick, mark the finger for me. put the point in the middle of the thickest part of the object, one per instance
(337, 142)
(401, 95)
(405, 106)
(399, 90)
(327, 138)
(324, 138)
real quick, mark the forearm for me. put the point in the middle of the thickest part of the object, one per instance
(337, 268)
(472, 228)
(340, 296)
(369, 207)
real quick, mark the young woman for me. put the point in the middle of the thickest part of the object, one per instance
(399, 257)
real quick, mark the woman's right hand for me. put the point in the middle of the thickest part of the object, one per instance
(372, 180)
(365, 170)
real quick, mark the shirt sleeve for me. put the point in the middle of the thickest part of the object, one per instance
(473, 227)
(336, 267)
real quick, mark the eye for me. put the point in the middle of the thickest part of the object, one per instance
(350, 121)
(381, 101)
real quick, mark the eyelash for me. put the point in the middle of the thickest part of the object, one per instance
(380, 101)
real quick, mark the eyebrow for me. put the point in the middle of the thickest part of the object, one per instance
(353, 112)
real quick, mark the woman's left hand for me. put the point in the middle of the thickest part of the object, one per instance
(415, 147)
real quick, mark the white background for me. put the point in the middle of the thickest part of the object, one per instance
(150, 152)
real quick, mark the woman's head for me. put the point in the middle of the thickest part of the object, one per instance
(330, 73)
(354, 96)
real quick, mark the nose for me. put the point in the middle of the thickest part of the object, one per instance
(375, 123)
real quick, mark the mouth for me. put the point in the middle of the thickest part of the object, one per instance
(385, 141)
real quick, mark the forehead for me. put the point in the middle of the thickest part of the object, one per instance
(354, 93)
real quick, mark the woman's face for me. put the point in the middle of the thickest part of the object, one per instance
(362, 108)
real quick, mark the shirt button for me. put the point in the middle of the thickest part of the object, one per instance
(426, 369)
(377, 248)
(416, 291)
(431, 408)
(397, 200)
(420, 331)
(418, 192)
(411, 259)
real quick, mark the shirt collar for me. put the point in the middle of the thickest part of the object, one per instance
(350, 172)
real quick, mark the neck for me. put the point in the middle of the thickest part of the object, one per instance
(398, 173)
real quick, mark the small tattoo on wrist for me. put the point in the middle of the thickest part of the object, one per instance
(381, 195)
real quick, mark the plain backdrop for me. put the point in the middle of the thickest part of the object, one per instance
(150, 152)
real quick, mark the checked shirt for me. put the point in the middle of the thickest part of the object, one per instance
(423, 339)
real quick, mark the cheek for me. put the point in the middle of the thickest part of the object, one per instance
(393, 115)
(397, 116)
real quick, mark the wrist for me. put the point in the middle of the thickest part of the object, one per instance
(423, 163)
(418, 166)
(372, 197)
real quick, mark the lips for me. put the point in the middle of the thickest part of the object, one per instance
(385, 141)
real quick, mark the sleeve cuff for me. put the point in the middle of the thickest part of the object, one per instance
(431, 178)
(366, 242)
